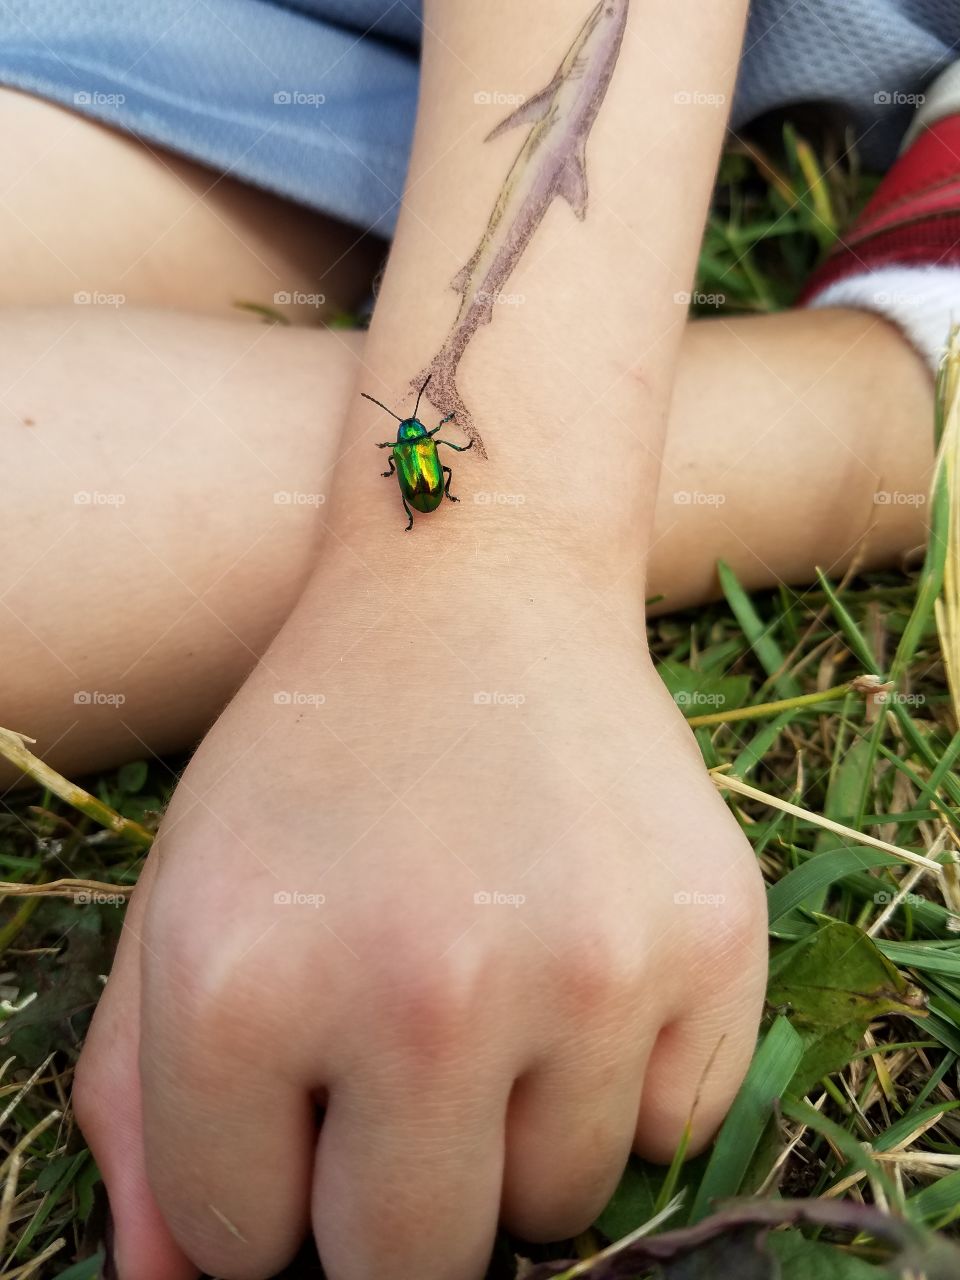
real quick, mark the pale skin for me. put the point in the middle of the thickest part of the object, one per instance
(473, 1057)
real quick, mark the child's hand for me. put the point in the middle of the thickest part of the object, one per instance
(470, 1055)
(456, 874)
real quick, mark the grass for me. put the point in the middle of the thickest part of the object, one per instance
(846, 1133)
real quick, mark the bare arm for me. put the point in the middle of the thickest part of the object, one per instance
(536, 273)
(439, 849)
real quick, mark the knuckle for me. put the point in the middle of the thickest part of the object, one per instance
(438, 1010)
(737, 935)
(196, 971)
(201, 1009)
(89, 1096)
(435, 1006)
(598, 976)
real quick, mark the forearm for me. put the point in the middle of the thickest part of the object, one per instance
(568, 383)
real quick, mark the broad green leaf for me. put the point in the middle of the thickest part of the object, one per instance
(634, 1201)
(737, 1254)
(699, 693)
(802, 1259)
(831, 986)
(133, 776)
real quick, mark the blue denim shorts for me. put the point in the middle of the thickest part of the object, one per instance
(315, 99)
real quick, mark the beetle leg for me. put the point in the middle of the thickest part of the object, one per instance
(387, 444)
(446, 489)
(393, 469)
(460, 448)
(409, 513)
(442, 423)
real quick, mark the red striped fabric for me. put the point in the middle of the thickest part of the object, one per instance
(913, 217)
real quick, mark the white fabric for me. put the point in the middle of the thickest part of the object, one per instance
(923, 302)
(942, 98)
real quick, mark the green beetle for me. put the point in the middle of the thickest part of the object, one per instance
(415, 461)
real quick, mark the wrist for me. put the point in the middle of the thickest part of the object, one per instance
(576, 488)
(495, 599)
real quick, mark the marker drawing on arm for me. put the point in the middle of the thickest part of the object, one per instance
(550, 163)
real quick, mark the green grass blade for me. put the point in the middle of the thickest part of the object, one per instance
(88, 1269)
(903, 1128)
(818, 873)
(852, 633)
(758, 746)
(771, 1071)
(931, 579)
(931, 1203)
(928, 957)
(801, 1111)
(757, 632)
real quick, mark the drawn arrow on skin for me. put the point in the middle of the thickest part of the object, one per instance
(550, 164)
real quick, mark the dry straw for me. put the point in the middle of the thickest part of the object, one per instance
(947, 490)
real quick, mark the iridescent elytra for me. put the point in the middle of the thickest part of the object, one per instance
(415, 461)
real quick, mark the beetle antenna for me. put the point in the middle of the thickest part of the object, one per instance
(420, 393)
(382, 406)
